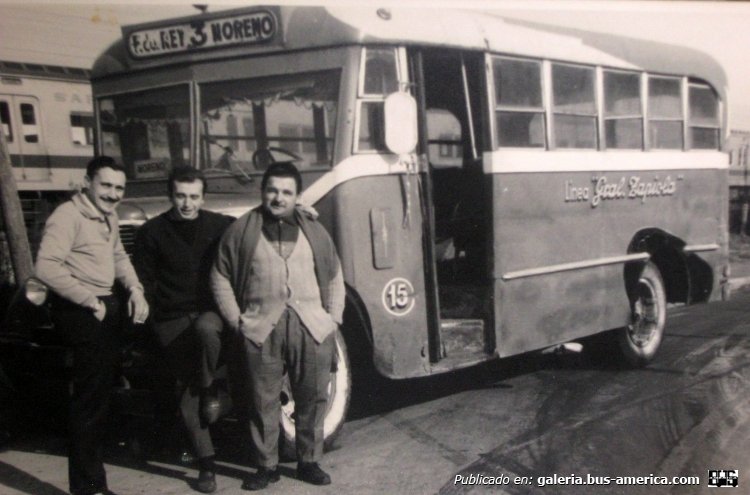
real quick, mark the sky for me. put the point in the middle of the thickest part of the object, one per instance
(75, 32)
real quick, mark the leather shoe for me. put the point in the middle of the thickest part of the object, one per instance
(310, 472)
(261, 478)
(206, 482)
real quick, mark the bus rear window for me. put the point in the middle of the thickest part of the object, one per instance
(246, 123)
(704, 117)
(147, 130)
(519, 111)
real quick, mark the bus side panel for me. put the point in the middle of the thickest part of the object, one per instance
(370, 216)
(546, 221)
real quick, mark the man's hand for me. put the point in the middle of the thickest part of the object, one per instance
(137, 306)
(101, 310)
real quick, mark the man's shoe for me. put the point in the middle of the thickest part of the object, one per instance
(261, 478)
(206, 482)
(310, 472)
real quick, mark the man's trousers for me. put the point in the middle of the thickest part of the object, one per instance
(192, 345)
(96, 359)
(289, 347)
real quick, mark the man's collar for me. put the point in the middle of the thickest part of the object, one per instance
(269, 218)
(87, 208)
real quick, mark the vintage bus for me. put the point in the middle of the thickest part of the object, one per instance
(493, 186)
(48, 122)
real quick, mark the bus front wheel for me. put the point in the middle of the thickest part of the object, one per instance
(339, 394)
(640, 339)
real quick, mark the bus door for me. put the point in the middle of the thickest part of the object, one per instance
(456, 201)
(21, 121)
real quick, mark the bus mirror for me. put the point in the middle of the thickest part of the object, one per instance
(400, 123)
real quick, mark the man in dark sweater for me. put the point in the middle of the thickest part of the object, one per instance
(173, 256)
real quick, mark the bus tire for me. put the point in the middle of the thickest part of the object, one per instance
(339, 395)
(640, 339)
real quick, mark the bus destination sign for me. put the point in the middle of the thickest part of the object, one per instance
(201, 34)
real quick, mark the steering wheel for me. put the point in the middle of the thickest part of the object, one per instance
(263, 157)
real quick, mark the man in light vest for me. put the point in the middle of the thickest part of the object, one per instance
(278, 284)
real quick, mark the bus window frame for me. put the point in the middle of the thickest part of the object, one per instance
(602, 104)
(497, 107)
(681, 80)
(688, 137)
(365, 98)
(97, 99)
(598, 114)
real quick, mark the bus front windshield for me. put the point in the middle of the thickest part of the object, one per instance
(149, 131)
(247, 123)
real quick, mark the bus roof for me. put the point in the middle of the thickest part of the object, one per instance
(310, 27)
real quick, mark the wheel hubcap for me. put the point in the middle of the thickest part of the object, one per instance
(645, 317)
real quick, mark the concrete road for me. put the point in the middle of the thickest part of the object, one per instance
(516, 423)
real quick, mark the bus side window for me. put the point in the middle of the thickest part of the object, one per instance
(704, 117)
(518, 98)
(379, 78)
(574, 106)
(623, 121)
(665, 119)
(82, 128)
(5, 120)
(30, 128)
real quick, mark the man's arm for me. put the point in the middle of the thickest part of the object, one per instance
(225, 298)
(336, 294)
(125, 273)
(57, 242)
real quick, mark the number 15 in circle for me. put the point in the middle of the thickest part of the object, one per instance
(398, 297)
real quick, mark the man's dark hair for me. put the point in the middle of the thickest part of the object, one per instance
(282, 169)
(185, 174)
(100, 162)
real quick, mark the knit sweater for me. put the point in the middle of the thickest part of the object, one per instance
(81, 254)
(232, 271)
(173, 271)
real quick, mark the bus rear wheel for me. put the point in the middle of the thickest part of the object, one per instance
(640, 339)
(339, 395)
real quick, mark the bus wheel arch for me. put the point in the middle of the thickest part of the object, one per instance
(666, 253)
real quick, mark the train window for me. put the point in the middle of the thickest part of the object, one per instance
(704, 117)
(665, 113)
(574, 106)
(30, 128)
(5, 120)
(518, 98)
(623, 122)
(82, 128)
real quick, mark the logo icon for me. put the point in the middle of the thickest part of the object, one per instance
(723, 478)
